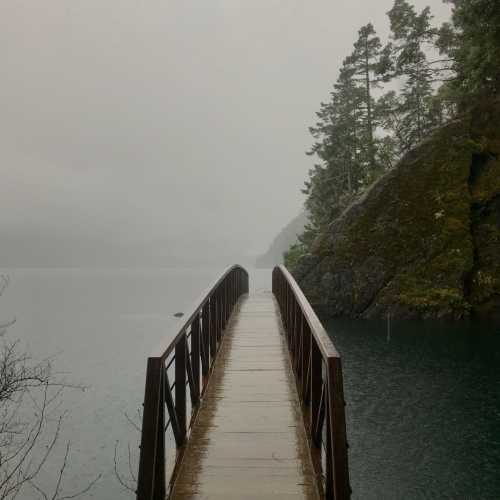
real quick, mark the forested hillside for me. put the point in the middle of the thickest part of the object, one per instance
(406, 109)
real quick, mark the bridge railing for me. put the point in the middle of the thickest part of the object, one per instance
(318, 373)
(176, 377)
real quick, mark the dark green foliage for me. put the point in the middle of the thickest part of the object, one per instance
(338, 133)
(350, 154)
(364, 63)
(412, 37)
(472, 41)
(362, 132)
(292, 256)
(425, 240)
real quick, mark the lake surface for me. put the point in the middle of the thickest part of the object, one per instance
(101, 325)
(423, 408)
(423, 405)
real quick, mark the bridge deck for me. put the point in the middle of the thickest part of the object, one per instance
(249, 440)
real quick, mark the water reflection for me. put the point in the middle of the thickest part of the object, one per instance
(423, 408)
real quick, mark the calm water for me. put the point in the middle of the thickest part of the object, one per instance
(423, 409)
(423, 405)
(101, 325)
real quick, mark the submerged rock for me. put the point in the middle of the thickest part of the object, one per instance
(424, 240)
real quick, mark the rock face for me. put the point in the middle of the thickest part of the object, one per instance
(424, 241)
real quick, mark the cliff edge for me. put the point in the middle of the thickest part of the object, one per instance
(424, 240)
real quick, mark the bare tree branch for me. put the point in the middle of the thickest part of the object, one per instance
(30, 402)
(119, 477)
(132, 423)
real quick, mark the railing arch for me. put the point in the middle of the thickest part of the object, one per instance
(318, 373)
(186, 361)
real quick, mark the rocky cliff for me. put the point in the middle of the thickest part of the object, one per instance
(424, 241)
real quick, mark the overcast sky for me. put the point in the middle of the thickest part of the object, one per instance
(131, 131)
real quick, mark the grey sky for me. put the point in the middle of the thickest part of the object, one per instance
(131, 131)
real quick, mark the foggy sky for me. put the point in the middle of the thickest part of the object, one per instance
(132, 132)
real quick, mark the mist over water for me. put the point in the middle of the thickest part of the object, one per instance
(423, 399)
(423, 408)
(423, 403)
(145, 146)
(99, 326)
(161, 133)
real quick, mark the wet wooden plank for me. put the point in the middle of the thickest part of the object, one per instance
(249, 442)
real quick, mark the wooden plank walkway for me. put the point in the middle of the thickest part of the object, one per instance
(249, 440)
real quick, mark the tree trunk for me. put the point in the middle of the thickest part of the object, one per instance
(369, 117)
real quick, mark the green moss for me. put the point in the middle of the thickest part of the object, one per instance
(487, 183)
(485, 124)
(417, 225)
(429, 213)
(485, 282)
(453, 225)
(428, 296)
(427, 299)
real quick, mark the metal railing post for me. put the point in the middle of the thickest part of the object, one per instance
(318, 374)
(315, 386)
(205, 326)
(336, 414)
(195, 357)
(180, 385)
(151, 479)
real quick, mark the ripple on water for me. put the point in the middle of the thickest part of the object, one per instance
(423, 408)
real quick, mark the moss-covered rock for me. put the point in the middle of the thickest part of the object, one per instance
(424, 241)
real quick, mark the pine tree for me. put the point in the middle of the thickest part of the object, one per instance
(412, 35)
(472, 41)
(357, 136)
(340, 145)
(365, 62)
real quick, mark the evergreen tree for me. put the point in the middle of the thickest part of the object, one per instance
(412, 35)
(472, 41)
(340, 145)
(357, 136)
(365, 62)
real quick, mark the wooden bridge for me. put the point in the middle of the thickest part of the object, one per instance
(251, 390)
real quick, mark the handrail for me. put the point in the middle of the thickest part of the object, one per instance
(188, 358)
(318, 372)
(163, 349)
(317, 329)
